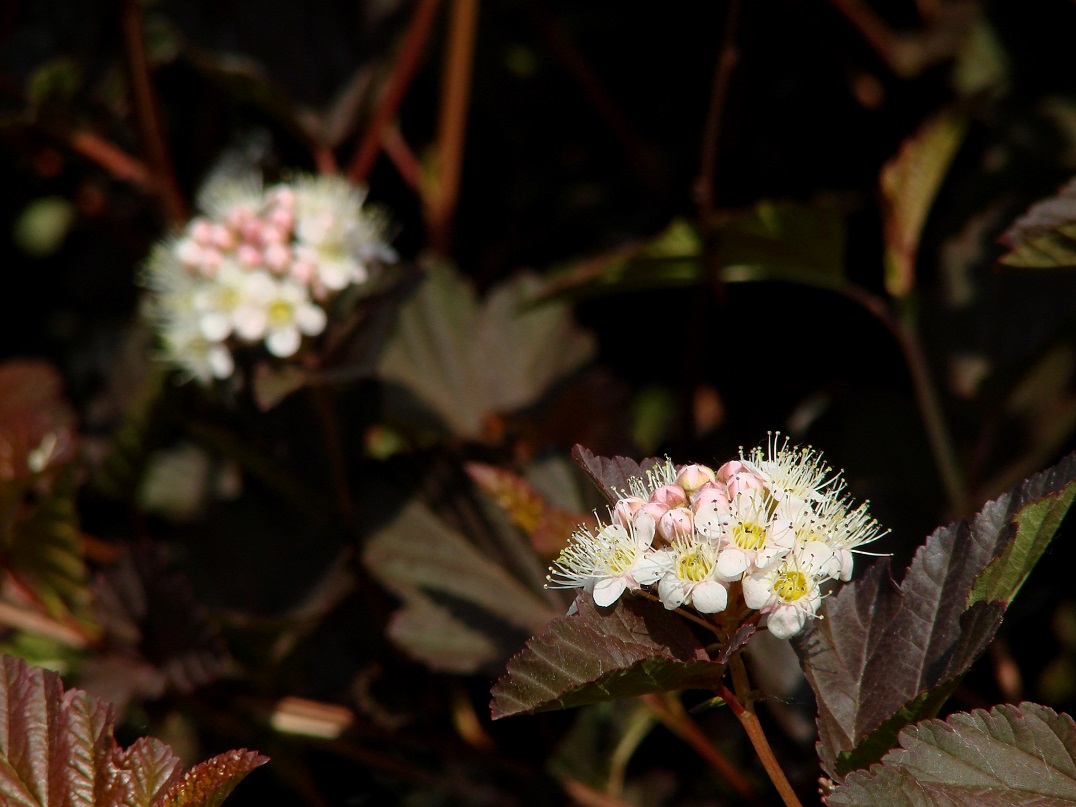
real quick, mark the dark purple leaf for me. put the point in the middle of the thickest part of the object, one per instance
(57, 750)
(209, 783)
(599, 654)
(882, 648)
(1045, 236)
(1011, 755)
(612, 476)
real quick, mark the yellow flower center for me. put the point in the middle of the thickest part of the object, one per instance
(693, 567)
(619, 560)
(790, 585)
(748, 536)
(280, 312)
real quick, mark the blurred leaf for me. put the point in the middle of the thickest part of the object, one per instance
(1010, 755)
(273, 384)
(485, 612)
(156, 635)
(910, 182)
(44, 548)
(548, 527)
(881, 648)
(54, 83)
(776, 240)
(633, 647)
(467, 359)
(1045, 236)
(612, 476)
(57, 749)
(43, 225)
(37, 425)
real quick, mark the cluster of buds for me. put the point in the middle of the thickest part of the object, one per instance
(260, 266)
(772, 528)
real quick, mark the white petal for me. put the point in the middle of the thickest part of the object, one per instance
(731, 563)
(220, 361)
(786, 621)
(310, 319)
(709, 597)
(283, 342)
(645, 526)
(671, 591)
(215, 326)
(608, 591)
(757, 590)
(647, 570)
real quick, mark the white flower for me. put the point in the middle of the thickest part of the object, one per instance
(786, 590)
(793, 471)
(690, 577)
(280, 310)
(218, 300)
(742, 531)
(606, 564)
(843, 530)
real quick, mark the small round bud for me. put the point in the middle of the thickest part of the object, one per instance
(710, 493)
(676, 523)
(669, 495)
(693, 477)
(625, 509)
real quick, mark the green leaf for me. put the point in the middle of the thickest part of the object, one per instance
(1011, 755)
(881, 650)
(910, 182)
(57, 750)
(633, 647)
(1048, 497)
(1045, 236)
(465, 359)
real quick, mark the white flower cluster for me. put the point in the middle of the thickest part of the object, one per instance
(259, 267)
(776, 524)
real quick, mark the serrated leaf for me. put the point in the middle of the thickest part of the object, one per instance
(426, 563)
(209, 783)
(1011, 755)
(1045, 236)
(1047, 498)
(466, 358)
(612, 475)
(599, 654)
(880, 647)
(910, 182)
(57, 750)
(45, 550)
(157, 636)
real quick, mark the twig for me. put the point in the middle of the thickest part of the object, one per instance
(672, 714)
(117, 162)
(586, 796)
(459, 58)
(743, 707)
(148, 115)
(418, 32)
(402, 157)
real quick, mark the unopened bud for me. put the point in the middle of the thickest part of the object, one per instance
(693, 477)
(676, 523)
(669, 495)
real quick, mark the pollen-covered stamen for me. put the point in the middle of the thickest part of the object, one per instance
(693, 566)
(748, 535)
(279, 313)
(791, 585)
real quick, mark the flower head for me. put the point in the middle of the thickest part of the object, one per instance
(690, 576)
(260, 266)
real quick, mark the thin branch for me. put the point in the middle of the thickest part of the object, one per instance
(672, 714)
(743, 707)
(118, 163)
(414, 43)
(452, 126)
(402, 157)
(148, 115)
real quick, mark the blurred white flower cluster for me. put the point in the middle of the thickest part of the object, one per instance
(772, 527)
(259, 266)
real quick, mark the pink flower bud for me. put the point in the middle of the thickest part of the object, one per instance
(222, 237)
(669, 495)
(693, 477)
(744, 481)
(625, 509)
(676, 523)
(210, 262)
(653, 509)
(249, 256)
(729, 470)
(237, 216)
(303, 271)
(251, 231)
(201, 231)
(283, 220)
(277, 257)
(710, 493)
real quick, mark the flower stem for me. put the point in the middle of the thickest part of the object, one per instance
(742, 706)
(673, 715)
